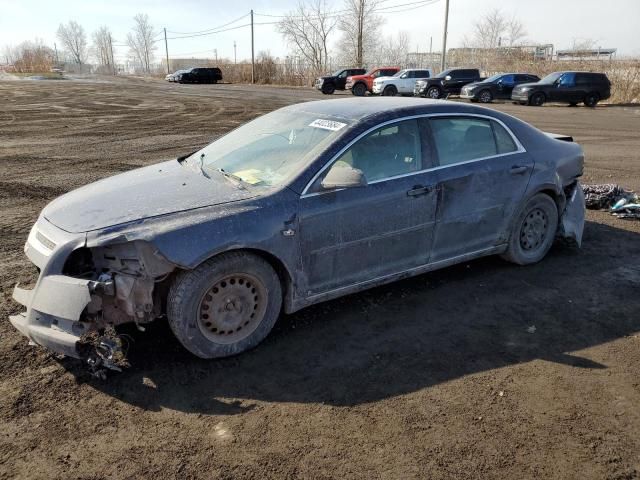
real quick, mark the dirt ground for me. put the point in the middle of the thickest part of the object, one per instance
(483, 370)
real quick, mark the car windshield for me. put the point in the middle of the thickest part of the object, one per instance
(495, 78)
(336, 73)
(551, 78)
(400, 73)
(443, 74)
(270, 149)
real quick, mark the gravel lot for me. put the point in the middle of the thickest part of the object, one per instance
(483, 370)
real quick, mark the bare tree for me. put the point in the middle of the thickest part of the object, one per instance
(494, 29)
(102, 47)
(140, 41)
(74, 41)
(360, 26)
(307, 29)
(30, 56)
(395, 49)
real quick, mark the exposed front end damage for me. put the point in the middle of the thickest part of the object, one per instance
(572, 219)
(82, 293)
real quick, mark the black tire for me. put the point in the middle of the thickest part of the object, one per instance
(434, 93)
(244, 279)
(390, 91)
(573, 104)
(328, 89)
(533, 231)
(359, 90)
(485, 96)
(591, 99)
(537, 99)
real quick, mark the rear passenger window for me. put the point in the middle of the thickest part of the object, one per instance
(460, 140)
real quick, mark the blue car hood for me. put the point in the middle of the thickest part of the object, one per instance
(146, 192)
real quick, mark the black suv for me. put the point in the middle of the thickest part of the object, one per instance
(564, 87)
(201, 75)
(447, 82)
(337, 81)
(498, 87)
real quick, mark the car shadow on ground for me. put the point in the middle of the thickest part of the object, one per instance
(406, 336)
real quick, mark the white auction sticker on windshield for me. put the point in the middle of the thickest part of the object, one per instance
(328, 124)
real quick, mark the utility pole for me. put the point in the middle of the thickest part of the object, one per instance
(215, 52)
(444, 36)
(253, 63)
(166, 50)
(235, 55)
(113, 60)
(431, 52)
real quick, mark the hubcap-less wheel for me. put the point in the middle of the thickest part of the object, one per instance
(232, 308)
(485, 96)
(534, 230)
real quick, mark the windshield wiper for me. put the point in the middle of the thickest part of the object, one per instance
(237, 180)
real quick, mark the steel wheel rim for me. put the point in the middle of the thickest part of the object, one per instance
(232, 308)
(433, 93)
(485, 97)
(534, 230)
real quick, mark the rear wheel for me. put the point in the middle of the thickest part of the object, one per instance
(485, 96)
(537, 99)
(328, 89)
(359, 90)
(390, 91)
(433, 92)
(591, 99)
(533, 230)
(225, 306)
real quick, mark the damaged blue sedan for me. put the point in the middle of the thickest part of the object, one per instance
(305, 204)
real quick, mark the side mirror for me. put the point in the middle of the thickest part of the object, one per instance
(447, 78)
(343, 176)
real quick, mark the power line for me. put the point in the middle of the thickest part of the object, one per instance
(210, 29)
(209, 33)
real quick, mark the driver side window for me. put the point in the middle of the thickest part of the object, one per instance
(386, 152)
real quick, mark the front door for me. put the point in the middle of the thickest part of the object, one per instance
(357, 234)
(505, 87)
(482, 176)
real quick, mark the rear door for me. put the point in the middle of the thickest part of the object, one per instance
(353, 235)
(483, 172)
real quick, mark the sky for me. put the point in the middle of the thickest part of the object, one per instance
(611, 24)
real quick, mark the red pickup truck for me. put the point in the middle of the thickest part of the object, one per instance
(361, 84)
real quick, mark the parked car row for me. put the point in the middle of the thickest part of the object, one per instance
(523, 88)
(196, 75)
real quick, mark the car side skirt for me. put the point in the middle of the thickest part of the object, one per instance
(375, 282)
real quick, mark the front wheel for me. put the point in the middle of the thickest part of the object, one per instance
(533, 230)
(485, 96)
(328, 89)
(537, 99)
(433, 92)
(225, 306)
(390, 91)
(359, 90)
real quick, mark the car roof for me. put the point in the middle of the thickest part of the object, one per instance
(355, 110)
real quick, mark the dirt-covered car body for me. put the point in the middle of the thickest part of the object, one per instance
(108, 251)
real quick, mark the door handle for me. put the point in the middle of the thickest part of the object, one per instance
(518, 169)
(418, 190)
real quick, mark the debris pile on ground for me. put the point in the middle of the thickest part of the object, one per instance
(620, 202)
